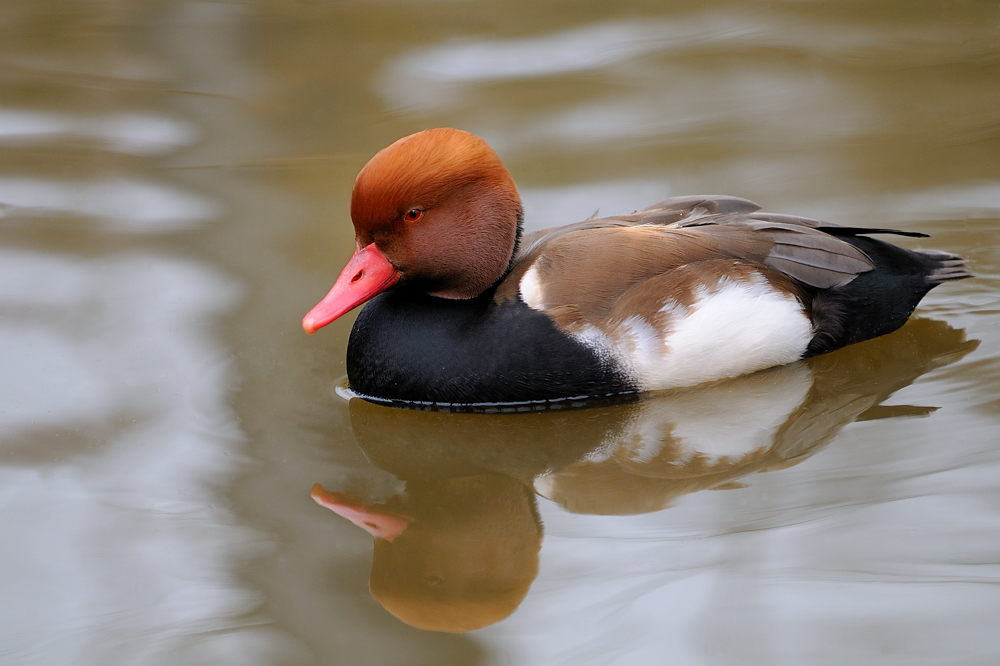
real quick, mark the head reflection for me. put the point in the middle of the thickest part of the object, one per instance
(460, 554)
(458, 549)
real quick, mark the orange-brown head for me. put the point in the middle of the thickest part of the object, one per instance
(436, 210)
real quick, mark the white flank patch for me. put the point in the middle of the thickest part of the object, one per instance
(740, 328)
(531, 289)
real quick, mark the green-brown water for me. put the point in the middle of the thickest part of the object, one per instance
(174, 187)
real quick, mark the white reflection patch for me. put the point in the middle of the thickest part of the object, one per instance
(128, 133)
(124, 204)
(938, 203)
(752, 414)
(434, 77)
(773, 107)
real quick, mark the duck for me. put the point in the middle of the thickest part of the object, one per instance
(461, 308)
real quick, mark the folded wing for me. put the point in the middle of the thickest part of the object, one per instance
(588, 266)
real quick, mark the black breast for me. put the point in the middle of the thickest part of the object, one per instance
(413, 347)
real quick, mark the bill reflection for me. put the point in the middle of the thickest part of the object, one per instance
(458, 549)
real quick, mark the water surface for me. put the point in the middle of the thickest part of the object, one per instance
(174, 189)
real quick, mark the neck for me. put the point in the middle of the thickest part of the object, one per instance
(517, 241)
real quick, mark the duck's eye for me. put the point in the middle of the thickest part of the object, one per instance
(413, 215)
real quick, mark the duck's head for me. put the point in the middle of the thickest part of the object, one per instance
(436, 210)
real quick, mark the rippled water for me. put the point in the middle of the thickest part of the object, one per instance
(174, 186)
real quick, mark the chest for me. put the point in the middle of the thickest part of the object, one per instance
(412, 347)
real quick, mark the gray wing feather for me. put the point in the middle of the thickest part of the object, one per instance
(813, 257)
(802, 248)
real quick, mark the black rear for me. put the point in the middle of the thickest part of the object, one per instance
(881, 300)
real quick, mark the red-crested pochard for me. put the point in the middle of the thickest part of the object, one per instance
(464, 310)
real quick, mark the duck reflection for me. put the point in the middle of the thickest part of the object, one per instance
(458, 549)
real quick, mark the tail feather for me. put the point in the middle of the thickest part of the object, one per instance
(947, 266)
(879, 301)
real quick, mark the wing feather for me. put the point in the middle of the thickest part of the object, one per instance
(589, 263)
